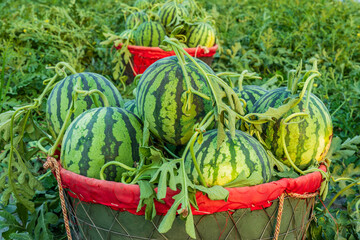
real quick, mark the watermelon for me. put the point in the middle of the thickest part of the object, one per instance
(307, 140)
(98, 136)
(160, 99)
(60, 98)
(250, 93)
(239, 161)
(142, 4)
(171, 14)
(149, 34)
(131, 106)
(136, 18)
(200, 34)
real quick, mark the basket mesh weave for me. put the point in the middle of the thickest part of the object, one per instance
(95, 221)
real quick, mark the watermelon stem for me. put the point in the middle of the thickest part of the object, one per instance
(283, 124)
(240, 76)
(40, 146)
(27, 110)
(91, 92)
(204, 124)
(120, 164)
(63, 128)
(190, 90)
(341, 192)
(191, 142)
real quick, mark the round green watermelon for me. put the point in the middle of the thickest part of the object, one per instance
(160, 99)
(239, 161)
(149, 34)
(131, 106)
(250, 93)
(200, 34)
(306, 141)
(136, 18)
(142, 4)
(98, 136)
(171, 15)
(60, 98)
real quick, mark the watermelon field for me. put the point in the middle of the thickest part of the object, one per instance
(273, 96)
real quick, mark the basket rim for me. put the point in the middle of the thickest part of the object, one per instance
(125, 197)
(201, 50)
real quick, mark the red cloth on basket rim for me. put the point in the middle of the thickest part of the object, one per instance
(143, 57)
(125, 197)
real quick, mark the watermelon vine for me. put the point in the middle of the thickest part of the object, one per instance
(13, 180)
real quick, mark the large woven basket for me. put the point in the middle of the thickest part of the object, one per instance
(281, 209)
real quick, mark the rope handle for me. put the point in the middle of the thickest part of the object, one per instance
(54, 167)
(281, 208)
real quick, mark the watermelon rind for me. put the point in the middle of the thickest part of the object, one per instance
(98, 136)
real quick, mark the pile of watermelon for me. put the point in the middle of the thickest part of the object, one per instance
(103, 129)
(148, 22)
(97, 134)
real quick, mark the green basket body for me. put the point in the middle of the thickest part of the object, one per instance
(96, 221)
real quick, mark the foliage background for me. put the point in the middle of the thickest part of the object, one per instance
(267, 37)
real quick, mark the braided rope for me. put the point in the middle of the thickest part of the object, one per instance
(279, 215)
(53, 165)
(281, 207)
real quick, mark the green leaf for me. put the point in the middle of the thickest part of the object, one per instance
(22, 212)
(242, 180)
(165, 177)
(184, 211)
(51, 218)
(5, 123)
(343, 150)
(273, 114)
(20, 236)
(9, 220)
(214, 193)
(147, 196)
(289, 173)
(41, 230)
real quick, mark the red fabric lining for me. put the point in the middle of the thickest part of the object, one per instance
(125, 197)
(143, 57)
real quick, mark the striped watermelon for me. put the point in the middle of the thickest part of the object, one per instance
(250, 93)
(149, 34)
(98, 136)
(60, 98)
(241, 159)
(200, 34)
(135, 18)
(160, 99)
(131, 106)
(171, 14)
(142, 4)
(306, 140)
